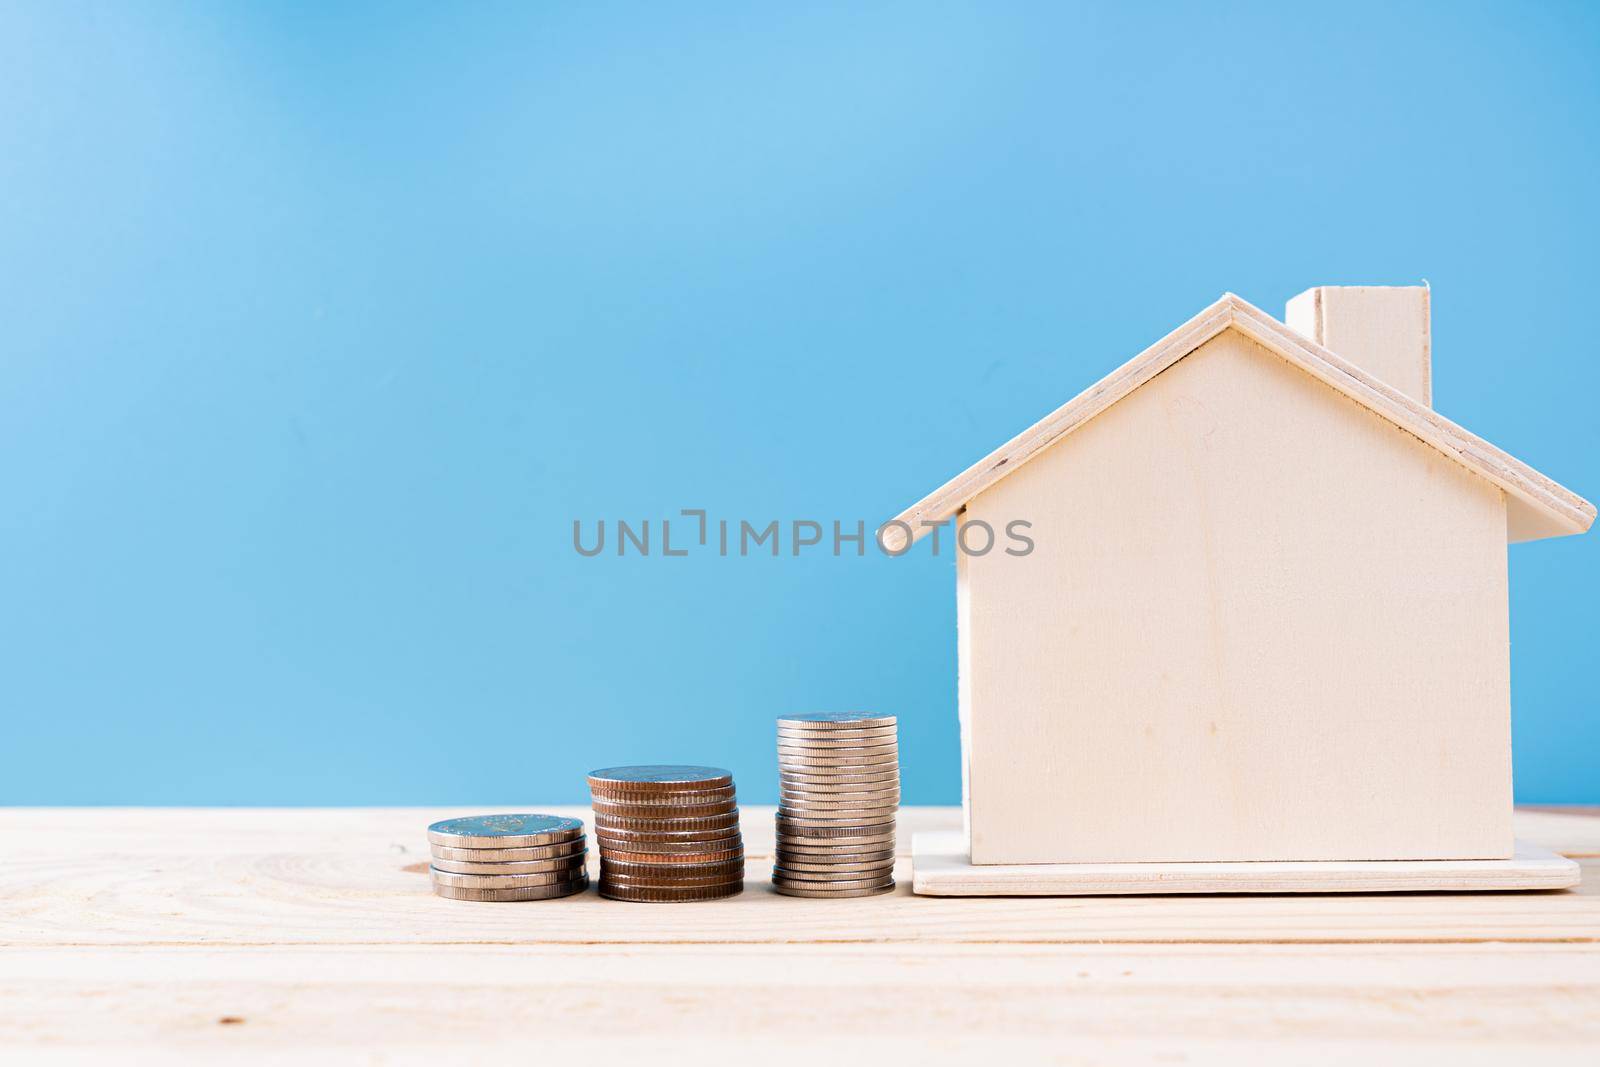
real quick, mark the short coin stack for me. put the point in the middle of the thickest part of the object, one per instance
(508, 857)
(838, 789)
(667, 833)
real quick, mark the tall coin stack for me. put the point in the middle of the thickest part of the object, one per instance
(838, 790)
(508, 857)
(667, 833)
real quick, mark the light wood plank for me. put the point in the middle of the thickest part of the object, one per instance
(1383, 329)
(357, 877)
(1538, 506)
(803, 1004)
(941, 869)
(1258, 624)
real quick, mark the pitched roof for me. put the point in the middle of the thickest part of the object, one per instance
(1535, 506)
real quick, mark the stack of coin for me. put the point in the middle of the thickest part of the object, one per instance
(667, 833)
(838, 789)
(508, 857)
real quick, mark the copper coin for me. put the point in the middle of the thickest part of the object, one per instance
(659, 778)
(707, 822)
(703, 881)
(503, 831)
(703, 840)
(721, 844)
(532, 892)
(659, 895)
(677, 858)
(660, 797)
(672, 871)
(665, 811)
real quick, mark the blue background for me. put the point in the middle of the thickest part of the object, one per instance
(320, 324)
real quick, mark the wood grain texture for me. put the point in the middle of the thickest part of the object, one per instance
(358, 877)
(262, 936)
(1537, 506)
(1258, 624)
(940, 868)
(803, 1004)
(1383, 329)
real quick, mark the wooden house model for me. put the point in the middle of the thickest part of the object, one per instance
(1265, 615)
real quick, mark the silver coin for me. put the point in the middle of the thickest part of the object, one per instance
(818, 798)
(824, 720)
(510, 855)
(854, 784)
(789, 889)
(787, 857)
(835, 819)
(810, 826)
(842, 731)
(532, 892)
(573, 862)
(865, 843)
(659, 778)
(831, 745)
(837, 844)
(888, 798)
(857, 813)
(889, 772)
(504, 831)
(820, 762)
(839, 740)
(819, 803)
(820, 750)
(787, 784)
(875, 882)
(801, 822)
(787, 765)
(801, 868)
(503, 881)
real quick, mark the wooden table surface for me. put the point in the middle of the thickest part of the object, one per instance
(267, 934)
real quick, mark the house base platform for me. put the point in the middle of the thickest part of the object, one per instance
(940, 868)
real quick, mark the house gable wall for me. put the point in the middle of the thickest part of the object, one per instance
(1260, 622)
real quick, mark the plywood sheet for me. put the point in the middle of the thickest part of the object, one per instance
(1259, 623)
